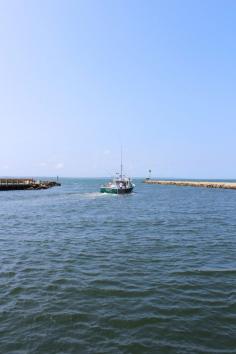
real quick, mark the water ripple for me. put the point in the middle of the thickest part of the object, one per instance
(83, 272)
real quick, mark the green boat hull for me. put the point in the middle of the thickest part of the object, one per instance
(116, 190)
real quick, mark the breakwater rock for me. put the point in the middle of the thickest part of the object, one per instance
(7, 184)
(206, 184)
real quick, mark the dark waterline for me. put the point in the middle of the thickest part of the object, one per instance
(84, 272)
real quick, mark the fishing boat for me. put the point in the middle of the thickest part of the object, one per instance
(119, 185)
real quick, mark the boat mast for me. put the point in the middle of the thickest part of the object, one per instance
(121, 164)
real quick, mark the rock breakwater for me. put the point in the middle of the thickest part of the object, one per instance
(206, 184)
(7, 184)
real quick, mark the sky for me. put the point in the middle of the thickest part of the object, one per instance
(78, 79)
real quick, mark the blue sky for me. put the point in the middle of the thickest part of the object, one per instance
(81, 78)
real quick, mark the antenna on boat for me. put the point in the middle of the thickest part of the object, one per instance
(121, 162)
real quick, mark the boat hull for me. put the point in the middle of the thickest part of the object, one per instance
(116, 190)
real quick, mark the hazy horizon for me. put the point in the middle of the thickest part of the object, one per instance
(81, 78)
(111, 176)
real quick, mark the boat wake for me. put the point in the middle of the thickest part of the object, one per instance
(95, 195)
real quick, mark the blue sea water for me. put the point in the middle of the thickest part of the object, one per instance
(84, 272)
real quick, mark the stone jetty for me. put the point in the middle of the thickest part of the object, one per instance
(7, 184)
(206, 184)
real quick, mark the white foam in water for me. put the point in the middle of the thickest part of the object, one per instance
(94, 195)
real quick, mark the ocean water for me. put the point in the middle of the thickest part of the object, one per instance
(84, 272)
